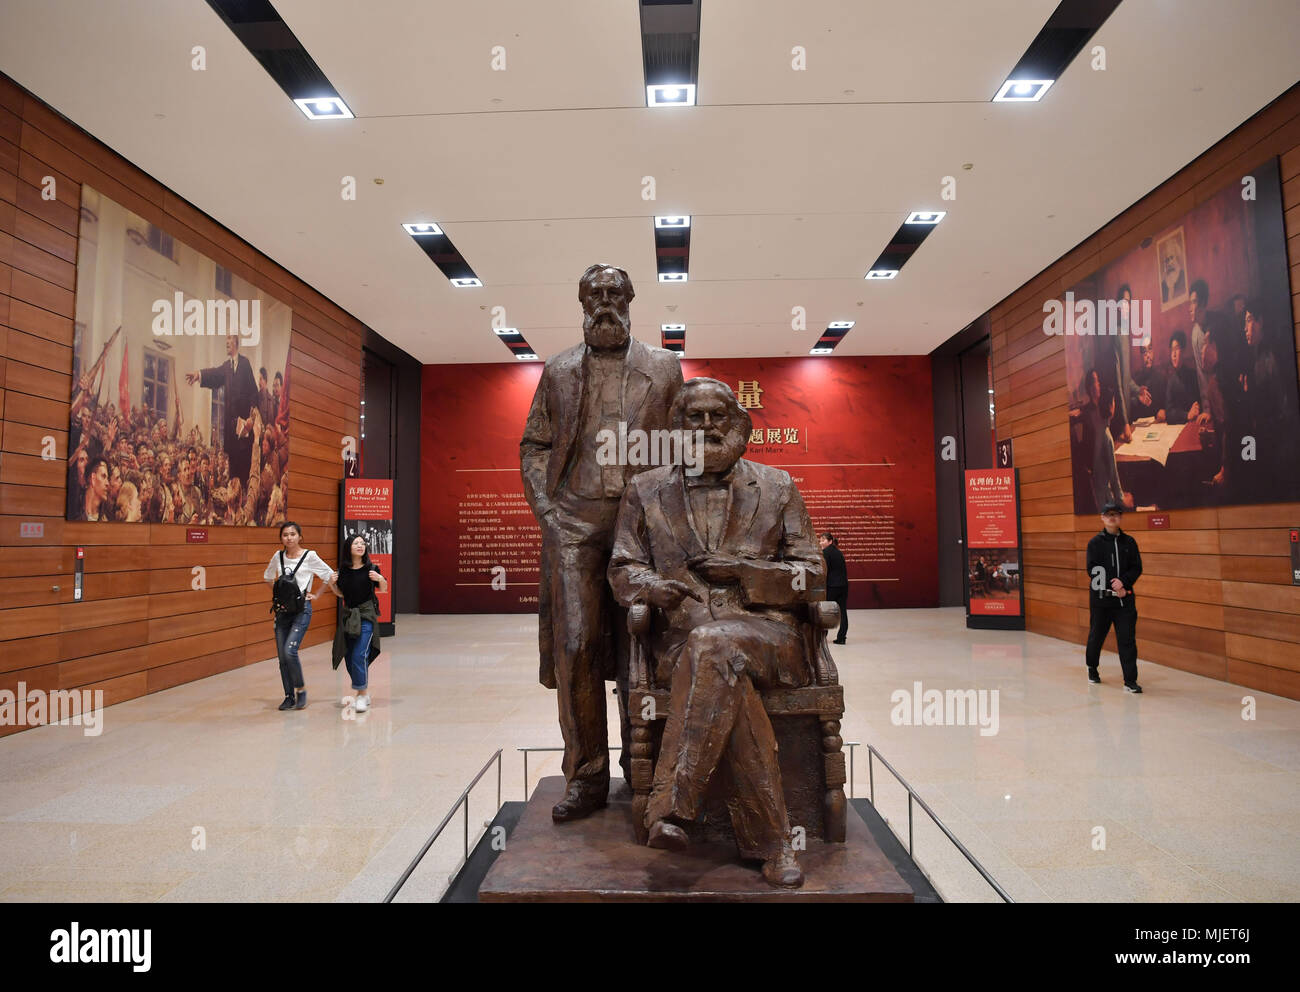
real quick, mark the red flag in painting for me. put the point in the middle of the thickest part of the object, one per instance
(123, 384)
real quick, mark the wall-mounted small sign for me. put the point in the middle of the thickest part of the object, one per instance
(1295, 556)
(77, 578)
(30, 528)
(1158, 521)
(196, 535)
(1006, 458)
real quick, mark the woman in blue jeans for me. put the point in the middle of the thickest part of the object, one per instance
(298, 565)
(357, 640)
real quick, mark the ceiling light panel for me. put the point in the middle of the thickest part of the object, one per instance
(261, 30)
(1067, 31)
(670, 51)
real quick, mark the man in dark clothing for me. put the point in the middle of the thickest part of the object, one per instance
(1147, 395)
(236, 378)
(837, 581)
(266, 403)
(1265, 403)
(1113, 565)
(1182, 392)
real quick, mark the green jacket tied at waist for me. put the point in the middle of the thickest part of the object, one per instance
(349, 625)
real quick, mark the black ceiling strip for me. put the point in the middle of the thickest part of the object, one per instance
(517, 346)
(903, 245)
(444, 255)
(1066, 32)
(272, 42)
(670, 41)
(672, 249)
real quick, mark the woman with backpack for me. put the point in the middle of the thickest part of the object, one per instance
(356, 640)
(290, 573)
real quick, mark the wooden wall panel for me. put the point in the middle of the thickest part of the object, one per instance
(1216, 598)
(141, 627)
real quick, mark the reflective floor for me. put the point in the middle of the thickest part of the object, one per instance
(208, 792)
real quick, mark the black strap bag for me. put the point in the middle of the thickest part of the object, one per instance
(286, 594)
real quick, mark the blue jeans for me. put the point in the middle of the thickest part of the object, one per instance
(358, 650)
(290, 628)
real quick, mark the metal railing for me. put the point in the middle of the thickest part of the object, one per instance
(462, 802)
(912, 797)
(528, 750)
(872, 753)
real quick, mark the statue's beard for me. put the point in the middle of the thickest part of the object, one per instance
(607, 329)
(720, 453)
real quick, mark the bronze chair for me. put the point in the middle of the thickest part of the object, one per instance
(806, 722)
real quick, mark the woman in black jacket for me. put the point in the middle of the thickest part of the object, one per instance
(357, 639)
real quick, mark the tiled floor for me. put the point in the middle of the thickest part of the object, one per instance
(207, 792)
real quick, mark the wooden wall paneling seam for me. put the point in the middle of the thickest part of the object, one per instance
(32, 170)
(185, 213)
(40, 323)
(90, 150)
(54, 213)
(43, 265)
(38, 292)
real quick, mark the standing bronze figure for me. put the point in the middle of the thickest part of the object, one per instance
(610, 382)
(728, 559)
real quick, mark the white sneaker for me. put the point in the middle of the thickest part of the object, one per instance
(363, 703)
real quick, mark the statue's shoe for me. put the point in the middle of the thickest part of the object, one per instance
(783, 871)
(576, 805)
(667, 836)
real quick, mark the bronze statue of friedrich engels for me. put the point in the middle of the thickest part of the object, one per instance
(610, 378)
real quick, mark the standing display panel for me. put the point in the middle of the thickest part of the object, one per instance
(994, 591)
(366, 508)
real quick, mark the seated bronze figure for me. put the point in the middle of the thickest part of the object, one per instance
(727, 564)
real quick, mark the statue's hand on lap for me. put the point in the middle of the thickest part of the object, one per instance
(718, 570)
(668, 594)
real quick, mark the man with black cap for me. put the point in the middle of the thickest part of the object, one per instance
(1114, 565)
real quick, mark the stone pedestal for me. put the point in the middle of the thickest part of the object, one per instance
(599, 860)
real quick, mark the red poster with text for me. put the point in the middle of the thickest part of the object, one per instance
(992, 542)
(368, 511)
(856, 434)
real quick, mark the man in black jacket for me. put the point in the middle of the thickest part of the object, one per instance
(837, 581)
(1114, 565)
(235, 377)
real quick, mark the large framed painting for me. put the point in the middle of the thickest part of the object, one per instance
(1180, 359)
(180, 382)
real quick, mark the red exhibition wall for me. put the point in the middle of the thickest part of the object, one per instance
(856, 433)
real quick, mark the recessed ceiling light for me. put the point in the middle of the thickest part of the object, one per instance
(324, 108)
(926, 216)
(670, 95)
(503, 331)
(882, 274)
(672, 277)
(838, 324)
(466, 283)
(673, 221)
(1023, 90)
(524, 356)
(821, 351)
(672, 327)
(421, 229)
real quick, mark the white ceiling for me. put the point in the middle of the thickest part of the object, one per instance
(795, 179)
